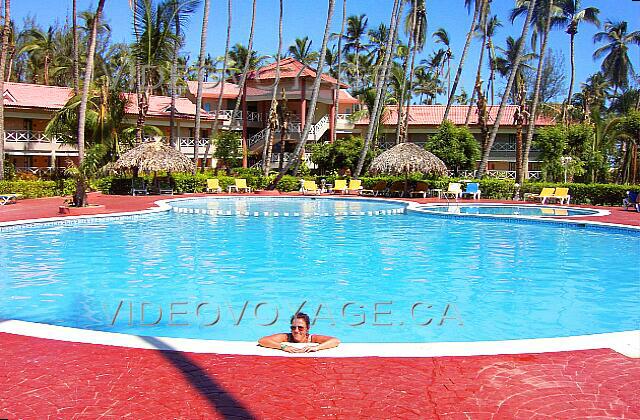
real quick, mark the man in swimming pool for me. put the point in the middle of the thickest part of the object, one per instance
(299, 340)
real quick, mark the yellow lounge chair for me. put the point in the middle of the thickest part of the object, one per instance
(454, 190)
(543, 196)
(339, 185)
(239, 186)
(310, 187)
(213, 185)
(562, 195)
(355, 186)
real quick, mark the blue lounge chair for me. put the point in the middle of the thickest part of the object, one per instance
(631, 200)
(472, 189)
(8, 199)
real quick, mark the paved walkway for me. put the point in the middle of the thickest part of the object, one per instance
(40, 377)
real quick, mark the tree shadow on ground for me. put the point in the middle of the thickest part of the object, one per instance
(219, 399)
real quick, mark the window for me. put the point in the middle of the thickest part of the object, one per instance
(28, 125)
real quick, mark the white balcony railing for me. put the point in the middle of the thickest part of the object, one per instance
(496, 174)
(251, 115)
(181, 141)
(25, 136)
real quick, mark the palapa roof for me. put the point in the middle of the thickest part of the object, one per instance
(154, 156)
(405, 158)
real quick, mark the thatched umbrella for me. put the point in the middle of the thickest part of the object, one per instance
(405, 158)
(154, 156)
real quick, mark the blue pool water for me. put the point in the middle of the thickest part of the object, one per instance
(389, 278)
(511, 210)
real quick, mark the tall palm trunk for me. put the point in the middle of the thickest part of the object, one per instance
(47, 61)
(405, 123)
(573, 76)
(80, 196)
(76, 68)
(174, 71)
(381, 84)
(214, 130)
(243, 81)
(138, 74)
(480, 61)
(314, 100)
(273, 110)
(505, 96)
(3, 64)
(405, 69)
(337, 101)
(536, 95)
(203, 48)
(452, 93)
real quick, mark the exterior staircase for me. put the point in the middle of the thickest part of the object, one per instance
(256, 142)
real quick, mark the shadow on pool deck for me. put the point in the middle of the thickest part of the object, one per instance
(219, 399)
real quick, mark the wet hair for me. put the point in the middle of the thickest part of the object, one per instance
(301, 315)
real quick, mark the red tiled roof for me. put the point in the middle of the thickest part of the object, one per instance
(231, 90)
(27, 95)
(159, 106)
(290, 68)
(433, 114)
(346, 98)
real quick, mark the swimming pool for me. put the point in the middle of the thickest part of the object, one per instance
(511, 210)
(408, 278)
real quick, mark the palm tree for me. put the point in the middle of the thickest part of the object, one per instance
(452, 91)
(40, 44)
(483, 29)
(223, 76)
(492, 25)
(543, 16)
(314, 100)
(273, 110)
(419, 36)
(504, 65)
(80, 196)
(427, 83)
(339, 72)
(377, 42)
(410, 27)
(203, 49)
(301, 51)
(442, 37)
(571, 17)
(496, 125)
(243, 79)
(3, 64)
(180, 9)
(381, 84)
(616, 65)
(76, 68)
(356, 28)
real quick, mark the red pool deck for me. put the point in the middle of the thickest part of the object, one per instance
(42, 378)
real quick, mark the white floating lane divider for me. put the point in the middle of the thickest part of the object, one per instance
(383, 212)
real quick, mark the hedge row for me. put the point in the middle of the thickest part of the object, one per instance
(38, 188)
(594, 194)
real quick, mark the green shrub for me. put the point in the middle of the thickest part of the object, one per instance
(32, 189)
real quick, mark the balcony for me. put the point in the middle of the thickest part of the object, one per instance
(254, 119)
(24, 142)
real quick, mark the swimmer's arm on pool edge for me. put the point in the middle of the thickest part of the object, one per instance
(279, 341)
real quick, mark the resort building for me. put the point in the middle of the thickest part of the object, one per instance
(29, 107)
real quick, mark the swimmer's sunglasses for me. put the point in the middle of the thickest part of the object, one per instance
(298, 327)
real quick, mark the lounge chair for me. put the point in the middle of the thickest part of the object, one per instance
(379, 188)
(239, 186)
(355, 186)
(163, 186)
(8, 199)
(453, 191)
(339, 185)
(138, 186)
(397, 187)
(631, 200)
(543, 196)
(472, 189)
(310, 187)
(562, 195)
(422, 188)
(213, 185)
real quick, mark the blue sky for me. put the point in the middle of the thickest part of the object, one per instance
(307, 17)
